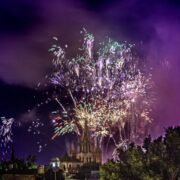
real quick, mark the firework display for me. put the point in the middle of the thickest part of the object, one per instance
(6, 134)
(6, 130)
(110, 90)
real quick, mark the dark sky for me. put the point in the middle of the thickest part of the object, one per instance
(26, 30)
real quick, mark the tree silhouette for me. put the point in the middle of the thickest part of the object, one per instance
(157, 159)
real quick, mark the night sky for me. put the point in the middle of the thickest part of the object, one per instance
(26, 31)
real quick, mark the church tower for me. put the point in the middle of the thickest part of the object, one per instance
(12, 153)
(72, 152)
(87, 151)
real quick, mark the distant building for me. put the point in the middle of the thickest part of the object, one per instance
(70, 164)
(87, 152)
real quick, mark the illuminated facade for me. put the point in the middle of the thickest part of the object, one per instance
(86, 152)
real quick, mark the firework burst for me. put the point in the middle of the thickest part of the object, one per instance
(6, 134)
(110, 90)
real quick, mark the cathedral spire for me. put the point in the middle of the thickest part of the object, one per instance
(86, 131)
(12, 153)
(72, 150)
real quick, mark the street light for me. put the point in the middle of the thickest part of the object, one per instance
(55, 164)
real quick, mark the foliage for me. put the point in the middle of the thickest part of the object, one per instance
(157, 159)
(18, 164)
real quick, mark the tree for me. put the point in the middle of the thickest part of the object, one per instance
(157, 159)
(172, 142)
(30, 161)
(110, 170)
(18, 164)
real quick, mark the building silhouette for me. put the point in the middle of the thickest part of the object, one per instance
(87, 152)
